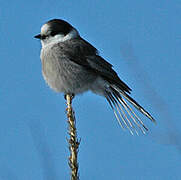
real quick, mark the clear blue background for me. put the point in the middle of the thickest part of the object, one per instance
(142, 39)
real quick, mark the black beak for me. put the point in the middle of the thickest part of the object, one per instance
(38, 36)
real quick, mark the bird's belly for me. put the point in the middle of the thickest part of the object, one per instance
(67, 77)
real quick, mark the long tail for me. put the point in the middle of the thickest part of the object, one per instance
(122, 110)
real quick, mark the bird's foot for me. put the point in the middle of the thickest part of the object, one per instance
(71, 96)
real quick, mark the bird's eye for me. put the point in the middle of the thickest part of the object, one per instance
(53, 33)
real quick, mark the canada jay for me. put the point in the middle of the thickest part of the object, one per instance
(71, 65)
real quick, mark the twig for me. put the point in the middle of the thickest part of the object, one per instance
(73, 141)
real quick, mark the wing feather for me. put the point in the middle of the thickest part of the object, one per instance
(84, 54)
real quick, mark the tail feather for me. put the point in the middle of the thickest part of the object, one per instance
(139, 120)
(132, 114)
(124, 112)
(133, 102)
(114, 104)
(110, 102)
(129, 110)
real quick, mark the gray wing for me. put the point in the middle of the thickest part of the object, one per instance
(84, 54)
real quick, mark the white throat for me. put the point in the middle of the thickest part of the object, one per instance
(59, 38)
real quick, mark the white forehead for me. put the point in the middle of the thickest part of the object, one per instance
(45, 28)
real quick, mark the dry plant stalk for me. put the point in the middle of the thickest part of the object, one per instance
(73, 141)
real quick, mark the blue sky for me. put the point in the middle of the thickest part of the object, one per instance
(142, 39)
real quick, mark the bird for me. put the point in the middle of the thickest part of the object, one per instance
(71, 65)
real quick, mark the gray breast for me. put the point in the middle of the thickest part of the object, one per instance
(62, 74)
